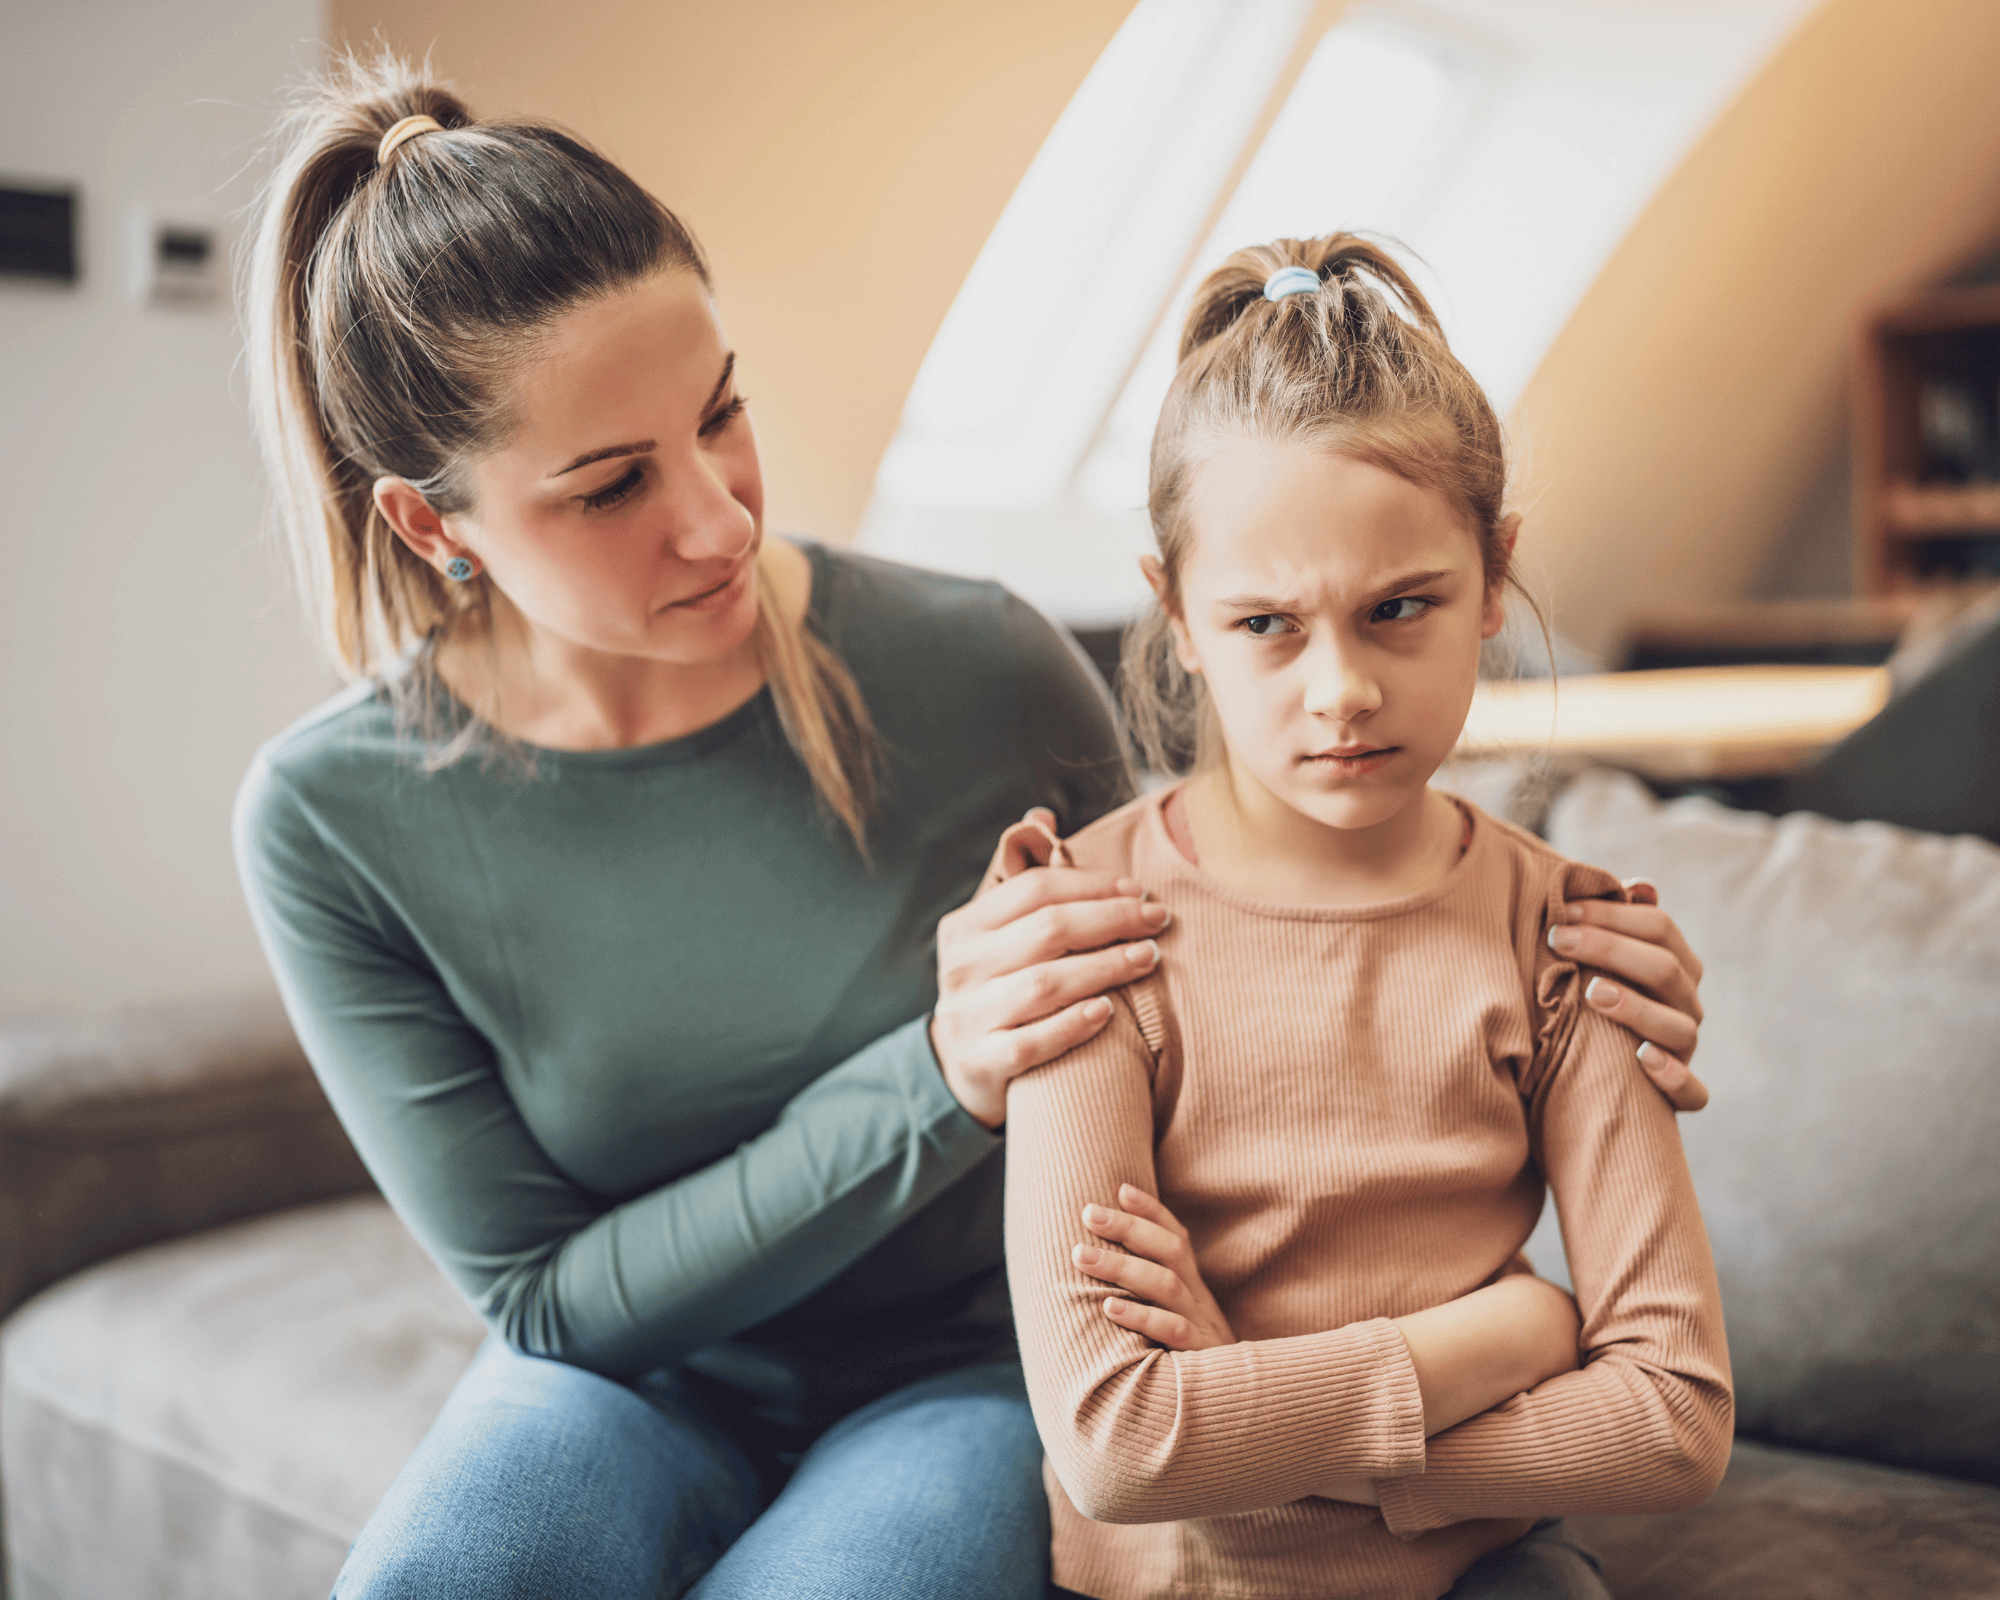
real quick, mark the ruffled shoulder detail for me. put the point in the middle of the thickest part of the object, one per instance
(1558, 982)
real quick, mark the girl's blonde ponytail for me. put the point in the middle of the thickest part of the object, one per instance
(1359, 366)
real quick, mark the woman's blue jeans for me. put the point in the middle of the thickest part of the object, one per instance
(543, 1480)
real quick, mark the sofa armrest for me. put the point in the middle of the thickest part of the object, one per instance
(124, 1128)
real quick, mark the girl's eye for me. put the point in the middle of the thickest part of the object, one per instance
(1406, 609)
(1265, 626)
(724, 417)
(615, 493)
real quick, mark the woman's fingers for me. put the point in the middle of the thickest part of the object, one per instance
(1047, 934)
(1653, 967)
(1642, 920)
(1031, 842)
(1676, 1082)
(1038, 887)
(1671, 1030)
(1009, 1052)
(1045, 988)
(1162, 1327)
(1134, 1275)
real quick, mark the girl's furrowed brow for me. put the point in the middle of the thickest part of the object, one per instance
(1263, 603)
(1409, 580)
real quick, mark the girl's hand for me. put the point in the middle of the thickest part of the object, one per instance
(1639, 942)
(1023, 965)
(1182, 1314)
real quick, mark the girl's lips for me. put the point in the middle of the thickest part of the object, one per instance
(1362, 759)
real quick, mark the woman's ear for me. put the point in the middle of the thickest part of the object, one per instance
(416, 524)
(1156, 579)
(1494, 617)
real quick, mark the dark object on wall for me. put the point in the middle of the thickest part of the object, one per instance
(38, 233)
(1926, 409)
(1929, 759)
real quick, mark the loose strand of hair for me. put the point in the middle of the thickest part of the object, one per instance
(822, 713)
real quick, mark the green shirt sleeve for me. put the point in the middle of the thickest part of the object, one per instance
(1079, 765)
(552, 1268)
(637, 1047)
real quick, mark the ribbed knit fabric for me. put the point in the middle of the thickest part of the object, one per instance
(1352, 1110)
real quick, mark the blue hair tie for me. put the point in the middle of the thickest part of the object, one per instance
(1290, 280)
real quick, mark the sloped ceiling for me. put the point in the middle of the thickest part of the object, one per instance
(1690, 402)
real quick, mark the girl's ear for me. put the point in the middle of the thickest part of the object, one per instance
(1156, 578)
(1494, 617)
(416, 524)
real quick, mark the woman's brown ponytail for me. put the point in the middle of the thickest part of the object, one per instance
(389, 305)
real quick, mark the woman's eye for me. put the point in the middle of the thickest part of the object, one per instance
(613, 493)
(722, 419)
(1407, 609)
(1265, 626)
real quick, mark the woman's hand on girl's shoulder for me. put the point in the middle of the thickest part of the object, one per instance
(1639, 942)
(1024, 965)
(1173, 1305)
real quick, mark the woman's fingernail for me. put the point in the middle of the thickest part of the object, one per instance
(1096, 1010)
(1143, 955)
(1601, 993)
(1651, 1058)
(1087, 1257)
(1154, 915)
(1563, 941)
(1095, 1216)
(1130, 886)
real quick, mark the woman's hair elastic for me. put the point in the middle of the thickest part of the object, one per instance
(402, 133)
(1290, 280)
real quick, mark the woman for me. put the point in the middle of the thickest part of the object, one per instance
(605, 902)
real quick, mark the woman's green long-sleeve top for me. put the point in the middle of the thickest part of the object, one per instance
(637, 1045)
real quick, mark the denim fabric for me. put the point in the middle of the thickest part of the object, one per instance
(541, 1480)
(1546, 1563)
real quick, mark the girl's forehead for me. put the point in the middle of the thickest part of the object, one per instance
(1312, 518)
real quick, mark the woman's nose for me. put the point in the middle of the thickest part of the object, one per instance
(1337, 688)
(704, 520)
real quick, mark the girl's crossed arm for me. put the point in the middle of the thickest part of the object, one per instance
(1138, 1433)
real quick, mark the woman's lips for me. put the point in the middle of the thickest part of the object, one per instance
(715, 598)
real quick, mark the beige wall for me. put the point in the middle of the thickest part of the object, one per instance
(147, 640)
(841, 160)
(1685, 411)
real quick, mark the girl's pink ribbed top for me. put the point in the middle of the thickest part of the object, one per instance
(1353, 1111)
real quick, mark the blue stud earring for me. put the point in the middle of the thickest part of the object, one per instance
(458, 569)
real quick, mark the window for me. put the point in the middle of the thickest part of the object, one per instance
(1508, 147)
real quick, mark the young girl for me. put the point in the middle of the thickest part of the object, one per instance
(1360, 1058)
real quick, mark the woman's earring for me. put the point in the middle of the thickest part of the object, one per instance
(459, 568)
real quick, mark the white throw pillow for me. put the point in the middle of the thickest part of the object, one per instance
(1849, 1165)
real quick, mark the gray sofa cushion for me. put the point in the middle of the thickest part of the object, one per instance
(1788, 1525)
(215, 1418)
(123, 1128)
(1847, 1167)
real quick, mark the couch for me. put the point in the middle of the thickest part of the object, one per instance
(222, 1344)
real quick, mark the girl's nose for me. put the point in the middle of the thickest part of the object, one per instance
(1336, 687)
(704, 520)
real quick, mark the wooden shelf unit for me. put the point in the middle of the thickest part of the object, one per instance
(1911, 530)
